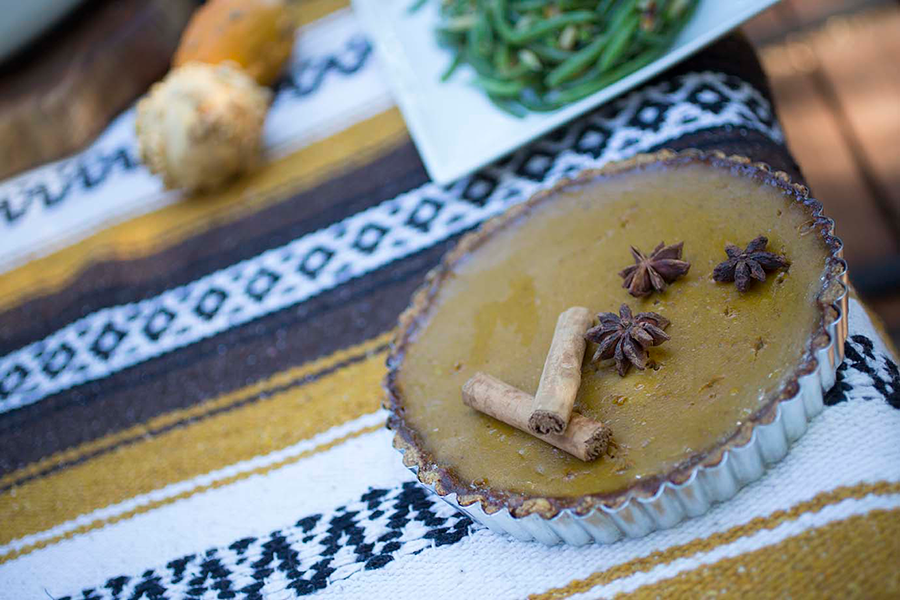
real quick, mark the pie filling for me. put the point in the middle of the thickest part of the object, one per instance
(728, 352)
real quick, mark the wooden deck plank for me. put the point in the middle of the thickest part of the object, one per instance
(765, 27)
(814, 11)
(855, 55)
(770, 25)
(815, 139)
(841, 123)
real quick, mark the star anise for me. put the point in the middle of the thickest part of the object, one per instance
(662, 267)
(627, 337)
(753, 262)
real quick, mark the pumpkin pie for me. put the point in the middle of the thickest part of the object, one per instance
(744, 358)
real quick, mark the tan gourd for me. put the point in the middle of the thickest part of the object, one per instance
(201, 125)
(257, 35)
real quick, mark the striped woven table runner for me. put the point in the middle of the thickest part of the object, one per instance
(190, 388)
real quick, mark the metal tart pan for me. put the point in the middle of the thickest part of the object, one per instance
(717, 478)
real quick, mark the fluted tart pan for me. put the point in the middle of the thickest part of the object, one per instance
(693, 486)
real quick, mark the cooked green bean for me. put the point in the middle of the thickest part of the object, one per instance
(500, 87)
(538, 55)
(589, 87)
(457, 60)
(507, 106)
(524, 5)
(550, 54)
(481, 65)
(511, 35)
(617, 45)
(458, 24)
(575, 63)
(604, 5)
(535, 103)
(503, 58)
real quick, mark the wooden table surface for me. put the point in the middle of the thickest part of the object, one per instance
(60, 92)
(834, 66)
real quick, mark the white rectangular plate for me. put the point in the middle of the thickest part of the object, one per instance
(454, 125)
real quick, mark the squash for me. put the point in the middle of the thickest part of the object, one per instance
(257, 35)
(201, 125)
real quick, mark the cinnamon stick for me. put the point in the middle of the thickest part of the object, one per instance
(561, 377)
(584, 438)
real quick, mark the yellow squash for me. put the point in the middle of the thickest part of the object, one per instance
(257, 35)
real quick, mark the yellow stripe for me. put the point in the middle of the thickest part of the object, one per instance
(718, 539)
(305, 12)
(198, 411)
(199, 489)
(182, 453)
(853, 558)
(150, 233)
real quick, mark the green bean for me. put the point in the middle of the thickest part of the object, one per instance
(457, 7)
(480, 37)
(498, 87)
(515, 37)
(617, 45)
(450, 40)
(604, 6)
(503, 57)
(576, 4)
(507, 106)
(497, 66)
(457, 60)
(678, 7)
(481, 65)
(664, 40)
(575, 63)
(549, 53)
(554, 23)
(678, 22)
(524, 5)
(619, 14)
(415, 6)
(517, 72)
(534, 102)
(587, 88)
(458, 24)
(489, 33)
(527, 61)
(653, 39)
(588, 75)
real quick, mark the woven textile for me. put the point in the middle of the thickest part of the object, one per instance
(190, 388)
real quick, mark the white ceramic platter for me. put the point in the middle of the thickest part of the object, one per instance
(454, 125)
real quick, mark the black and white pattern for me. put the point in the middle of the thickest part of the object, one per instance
(118, 337)
(316, 551)
(332, 75)
(865, 374)
(307, 74)
(383, 526)
(86, 172)
(49, 188)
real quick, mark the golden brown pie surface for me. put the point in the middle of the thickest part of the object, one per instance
(494, 309)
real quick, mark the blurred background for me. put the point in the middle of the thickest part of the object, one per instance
(832, 65)
(834, 70)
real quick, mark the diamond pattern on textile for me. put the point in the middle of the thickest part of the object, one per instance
(368, 534)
